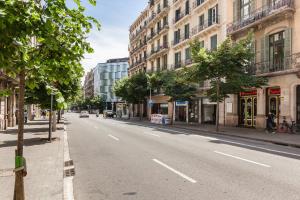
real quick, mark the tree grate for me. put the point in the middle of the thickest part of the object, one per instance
(69, 172)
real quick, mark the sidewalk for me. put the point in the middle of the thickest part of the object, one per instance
(245, 133)
(44, 162)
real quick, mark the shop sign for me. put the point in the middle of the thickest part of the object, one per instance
(181, 103)
(208, 102)
(164, 105)
(248, 93)
(274, 91)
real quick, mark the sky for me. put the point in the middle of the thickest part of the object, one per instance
(112, 40)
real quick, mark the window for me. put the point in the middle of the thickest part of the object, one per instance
(245, 9)
(158, 8)
(165, 41)
(202, 44)
(152, 66)
(177, 59)
(188, 53)
(201, 20)
(199, 2)
(158, 64)
(158, 26)
(276, 50)
(165, 21)
(213, 42)
(213, 15)
(165, 4)
(177, 15)
(187, 7)
(187, 31)
(165, 62)
(176, 36)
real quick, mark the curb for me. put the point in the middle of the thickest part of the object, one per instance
(222, 133)
(244, 137)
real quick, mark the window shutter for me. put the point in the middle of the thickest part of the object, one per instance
(267, 53)
(217, 14)
(288, 48)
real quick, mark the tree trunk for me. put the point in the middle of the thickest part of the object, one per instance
(140, 111)
(54, 121)
(19, 179)
(50, 127)
(58, 116)
(172, 116)
(218, 106)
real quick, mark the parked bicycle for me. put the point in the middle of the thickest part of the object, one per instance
(286, 127)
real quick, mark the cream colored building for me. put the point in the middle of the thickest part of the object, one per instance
(171, 25)
(276, 28)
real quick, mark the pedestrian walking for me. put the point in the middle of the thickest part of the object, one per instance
(25, 116)
(270, 123)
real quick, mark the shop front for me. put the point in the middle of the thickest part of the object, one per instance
(208, 111)
(248, 108)
(194, 111)
(181, 111)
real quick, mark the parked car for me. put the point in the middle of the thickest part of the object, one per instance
(109, 113)
(84, 114)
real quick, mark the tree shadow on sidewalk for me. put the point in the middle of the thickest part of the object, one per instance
(27, 142)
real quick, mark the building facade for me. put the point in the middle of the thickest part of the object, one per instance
(277, 57)
(8, 101)
(89, 85)
(172, 25)
(106, 74)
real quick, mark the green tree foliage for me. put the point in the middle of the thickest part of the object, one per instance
(226, 68)
(42, 42)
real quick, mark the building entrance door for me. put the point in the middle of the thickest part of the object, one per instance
(248, 111)
(274, 103)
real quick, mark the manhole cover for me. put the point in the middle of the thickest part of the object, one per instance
(69, 163)
(6, 172)
(69, 172)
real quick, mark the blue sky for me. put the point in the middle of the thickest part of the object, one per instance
(112, 40)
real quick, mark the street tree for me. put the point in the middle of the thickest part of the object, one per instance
(177, 88)
(43, 39)
(226, 68)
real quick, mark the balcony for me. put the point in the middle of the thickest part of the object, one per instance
(137, 48)
(260, 15)
(138, 62)
(188, 61)
(158, 50)
(268, 68)
(183, 38)
(157, 15)
(206, 26)
(158, 32)
(178, 65)
(198, 3)
(181, 16)
(138, 32)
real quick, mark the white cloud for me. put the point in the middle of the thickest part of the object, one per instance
(109, 42)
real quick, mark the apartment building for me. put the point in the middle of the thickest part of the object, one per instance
(276, 28)
(138, 44)
(8, 101)
(105, 75)
(89, 85)
(170, 27)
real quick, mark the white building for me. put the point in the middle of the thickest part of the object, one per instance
(106, 74)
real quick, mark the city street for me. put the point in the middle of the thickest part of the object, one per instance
(116, 160)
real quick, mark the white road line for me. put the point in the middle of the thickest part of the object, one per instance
(175, 171)
(232, 142)
(236, 157)
(272, 150)
(148, 133)
(113, 137)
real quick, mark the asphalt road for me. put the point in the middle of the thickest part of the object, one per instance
(116, 160)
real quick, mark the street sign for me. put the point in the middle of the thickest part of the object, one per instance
(181, 103)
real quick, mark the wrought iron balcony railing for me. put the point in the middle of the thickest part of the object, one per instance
(259, 14)
(206, 24)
